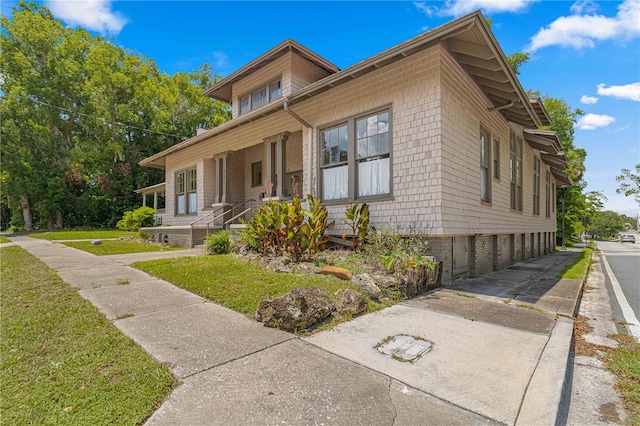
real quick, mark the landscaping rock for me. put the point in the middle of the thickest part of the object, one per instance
(350, 302)
(384, 281)
(96, 242)
(279, 264)
(368, 284)
(341, 273)
(307, 268)
(297, 310)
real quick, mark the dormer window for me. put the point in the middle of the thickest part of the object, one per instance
(260, 96)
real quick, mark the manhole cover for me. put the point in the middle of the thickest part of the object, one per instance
(402, 347)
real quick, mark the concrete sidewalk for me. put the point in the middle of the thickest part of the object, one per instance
(491, 362)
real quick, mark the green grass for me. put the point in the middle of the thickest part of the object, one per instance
(118, 247)
(237, 284)
(624, 362)
(83, 235)
(4, 239)
(62, 361)
(578, 268)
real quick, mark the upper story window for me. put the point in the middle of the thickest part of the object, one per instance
(261, 96)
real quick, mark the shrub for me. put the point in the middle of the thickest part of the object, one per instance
(397, 251)
(357, 218)
(135, 219)
(279, 227)
(218, 243)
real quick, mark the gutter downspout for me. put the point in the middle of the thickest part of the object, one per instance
(308, 126)
(294, 115)
(501, 107)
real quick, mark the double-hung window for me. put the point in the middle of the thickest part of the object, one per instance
(536, 185)
(515, 170)
(334, 162)
(372, 150)
(355, 158)
(548, 194)
(260, 96)
(485, 168)
(186, 192)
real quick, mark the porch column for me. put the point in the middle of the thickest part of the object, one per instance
(276, 155)
(144, 199)
(155, 200)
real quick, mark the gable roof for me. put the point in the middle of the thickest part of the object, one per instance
(222, 89)
(468, 39)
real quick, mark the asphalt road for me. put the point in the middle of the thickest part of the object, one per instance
(624, 263)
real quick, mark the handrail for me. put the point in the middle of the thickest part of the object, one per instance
(234, 207)
(237, 216)
(208, 214)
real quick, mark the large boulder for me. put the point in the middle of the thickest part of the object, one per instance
(350, 302)
(297, 310)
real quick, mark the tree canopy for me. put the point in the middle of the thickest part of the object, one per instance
(630, 183)
(79, 113)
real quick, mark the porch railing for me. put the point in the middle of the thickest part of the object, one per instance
(236, 208)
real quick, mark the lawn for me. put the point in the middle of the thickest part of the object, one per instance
(108, 247)
(624, 362)
(4, 239)
(83, 235)
(237, 284)
(578, 269)
(62, 361)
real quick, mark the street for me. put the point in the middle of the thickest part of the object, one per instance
(622, 268)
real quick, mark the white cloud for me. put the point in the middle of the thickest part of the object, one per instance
(462, 7)
(593, 121)
(628, 91)
(583, 6)
(589, 100)
(583, 30)
(93, 15)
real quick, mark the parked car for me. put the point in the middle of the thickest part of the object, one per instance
(627, 238)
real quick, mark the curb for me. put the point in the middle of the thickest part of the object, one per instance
(541, 402)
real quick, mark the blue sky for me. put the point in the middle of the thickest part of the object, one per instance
(585, 52)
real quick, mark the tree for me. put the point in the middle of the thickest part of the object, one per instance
(607, 224)
(79, 113)
(630, 183)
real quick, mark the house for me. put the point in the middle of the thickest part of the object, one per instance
(435, 133)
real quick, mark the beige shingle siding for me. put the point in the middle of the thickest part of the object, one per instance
(410, 87)
(464, 109)
(304, 72)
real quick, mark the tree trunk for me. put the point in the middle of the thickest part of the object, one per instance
(59, 222)
(26, 213)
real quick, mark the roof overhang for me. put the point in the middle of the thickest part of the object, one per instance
(159, 187)
(222, 90)
(543, 140)
(471, 43)
(468, 39)
(550, 147)
(158, 160)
